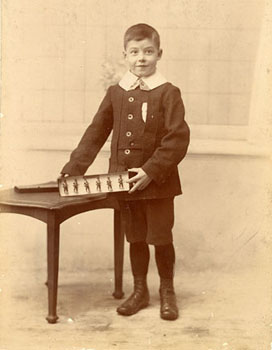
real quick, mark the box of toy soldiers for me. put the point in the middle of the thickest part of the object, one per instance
(93, 184)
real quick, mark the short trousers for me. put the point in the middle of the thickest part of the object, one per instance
(149, 220)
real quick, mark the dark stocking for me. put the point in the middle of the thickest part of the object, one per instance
(165, 260)
(139, 258)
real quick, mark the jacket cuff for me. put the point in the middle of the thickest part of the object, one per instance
(154, 173)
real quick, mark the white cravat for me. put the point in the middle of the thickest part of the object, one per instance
(139, 82)
(152, 81)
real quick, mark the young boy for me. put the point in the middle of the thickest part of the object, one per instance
(150, 138)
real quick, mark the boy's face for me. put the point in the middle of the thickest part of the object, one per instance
(142, 57)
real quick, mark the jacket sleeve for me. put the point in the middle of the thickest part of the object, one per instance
(174, 144)
(93, 139)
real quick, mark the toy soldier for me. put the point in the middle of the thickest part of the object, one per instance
(109, 183)
(86, 185)
(75, 185)
(98, 184)
(121, 182)
(65, 186)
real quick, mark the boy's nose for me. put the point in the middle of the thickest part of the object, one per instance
(141, 57)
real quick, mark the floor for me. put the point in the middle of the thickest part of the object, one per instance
(223, 277)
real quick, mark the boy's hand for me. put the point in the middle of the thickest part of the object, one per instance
(61, 176)
(139, 181)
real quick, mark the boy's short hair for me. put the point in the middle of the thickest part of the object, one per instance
(141, 31)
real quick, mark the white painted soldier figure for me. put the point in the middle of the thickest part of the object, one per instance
(65, 186)
(121, 182)
(109, 184)
(98, 184)
(75, 186)
(86, 185)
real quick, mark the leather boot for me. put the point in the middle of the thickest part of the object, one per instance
(138, 300)
(169, 309)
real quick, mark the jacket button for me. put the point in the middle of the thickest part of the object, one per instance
(127, 151)
(130, 116)
(128, 133)
(130, 99)
(132, 143)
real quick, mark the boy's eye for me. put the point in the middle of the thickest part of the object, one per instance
(149, 52)
(133, 52)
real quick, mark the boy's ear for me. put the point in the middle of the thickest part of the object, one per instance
(160, 54)
(124, 54)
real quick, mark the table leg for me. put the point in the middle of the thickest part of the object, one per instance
(52, 266)
(118, 255)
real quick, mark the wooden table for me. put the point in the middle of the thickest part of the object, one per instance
(52, 209)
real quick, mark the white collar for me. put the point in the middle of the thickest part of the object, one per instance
(152, 81)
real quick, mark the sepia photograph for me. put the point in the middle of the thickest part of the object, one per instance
(136, 175)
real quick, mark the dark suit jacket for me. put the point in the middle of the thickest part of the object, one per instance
(164, 141)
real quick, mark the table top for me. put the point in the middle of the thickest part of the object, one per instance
(48, 200)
